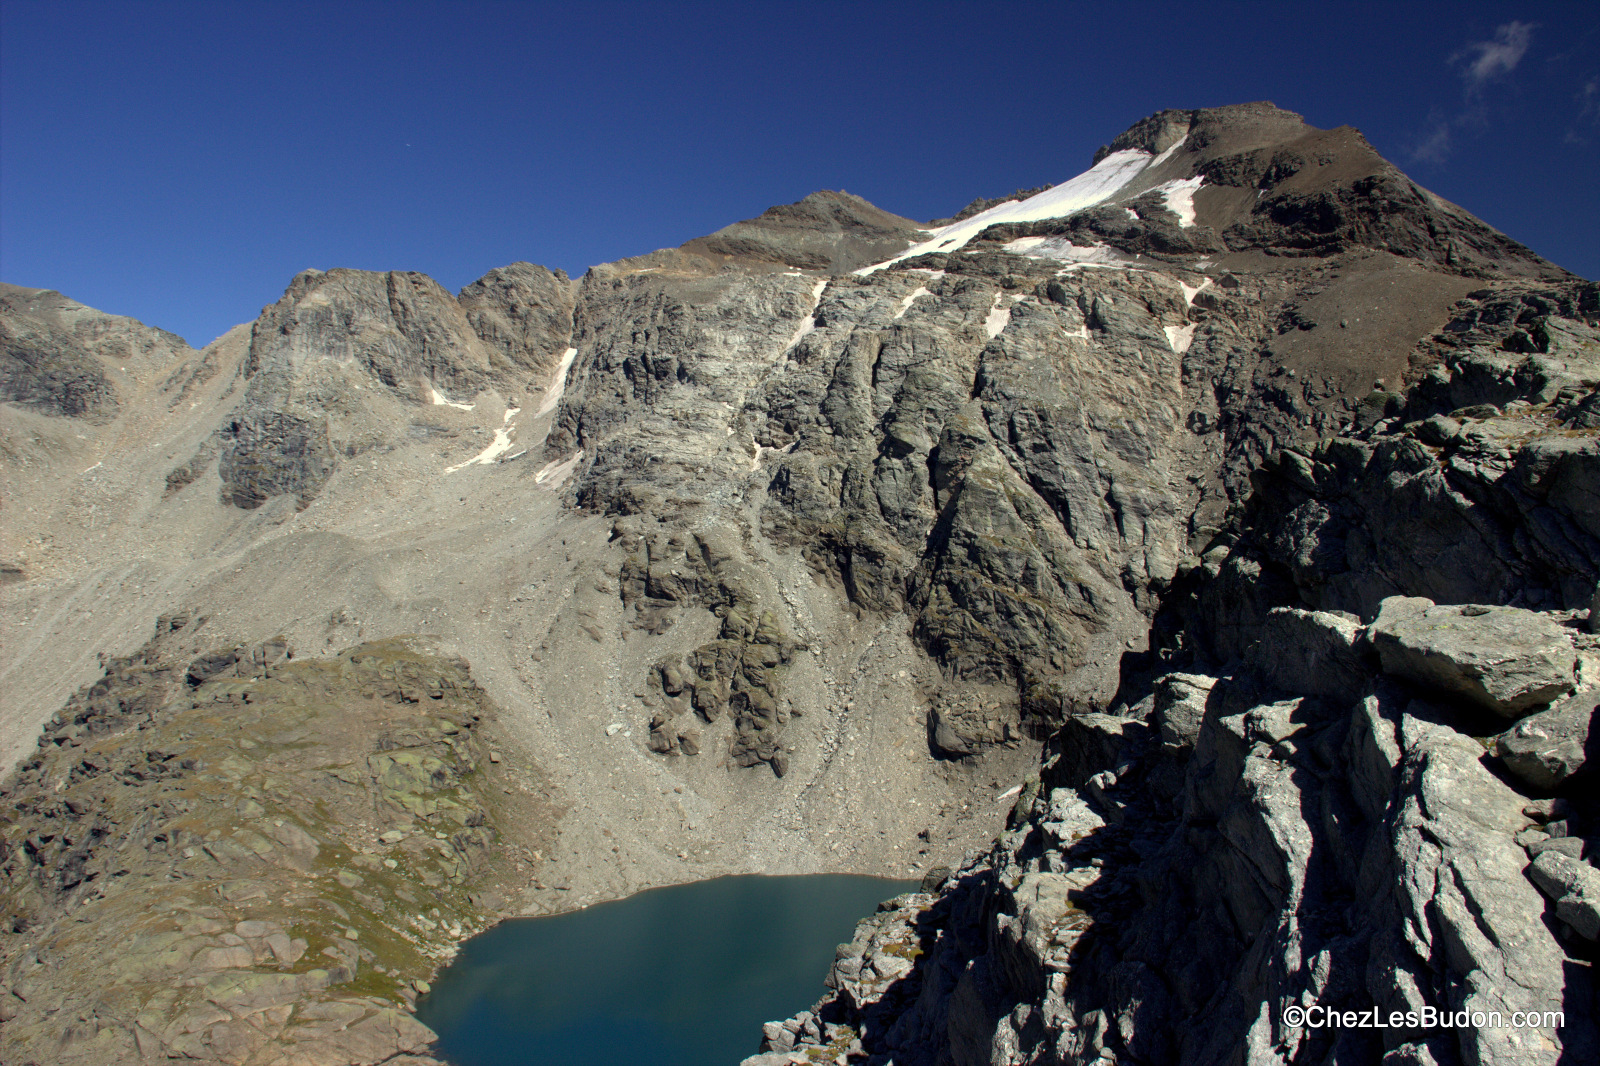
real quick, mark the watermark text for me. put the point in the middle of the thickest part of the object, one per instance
(1317, 1016)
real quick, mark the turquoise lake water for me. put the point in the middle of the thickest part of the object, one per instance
(680, 976)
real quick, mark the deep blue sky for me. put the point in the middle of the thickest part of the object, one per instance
(180, 162)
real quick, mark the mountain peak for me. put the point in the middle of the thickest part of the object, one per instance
(832, 231)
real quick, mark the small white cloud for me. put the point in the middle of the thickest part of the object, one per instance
(1435, 147)
(1588, 99)
(1481, 62)
(1486, 60)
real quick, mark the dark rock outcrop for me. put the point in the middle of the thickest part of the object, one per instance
(523, 313)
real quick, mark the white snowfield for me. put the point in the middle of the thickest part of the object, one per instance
(1190, 292)
(498, 447)
(905, 302)
(556, 471)
(1180, 337)
(1094, 186)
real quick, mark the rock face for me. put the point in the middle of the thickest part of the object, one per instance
(1346, 523)
(1334, 837)
(1246, 484)
(1573, 886)
(337, 333)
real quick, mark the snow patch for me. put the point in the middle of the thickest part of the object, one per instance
(439, 399)
(808, 323)
(511, 412)
(498, 447)
(1190, 293)
(553, 473)
(1093, 186)
(905, 304)
(999, 318)
(1082, 332)
(1180, 197)
(1164, 156)
(558, 386)
(1180, 337)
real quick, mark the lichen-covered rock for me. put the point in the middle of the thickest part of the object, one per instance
(249, 834)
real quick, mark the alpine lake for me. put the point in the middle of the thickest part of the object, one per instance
(678, 976)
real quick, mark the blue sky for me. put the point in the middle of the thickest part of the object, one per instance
(180, 162)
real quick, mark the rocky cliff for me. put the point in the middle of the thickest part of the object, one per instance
(1374, 813)
(800, 546)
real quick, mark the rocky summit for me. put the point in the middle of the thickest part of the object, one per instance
(1188, 570)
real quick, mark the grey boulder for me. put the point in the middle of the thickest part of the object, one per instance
(1502, 659)
(1547, 748)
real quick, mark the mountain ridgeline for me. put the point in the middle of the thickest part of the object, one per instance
(1188, 570)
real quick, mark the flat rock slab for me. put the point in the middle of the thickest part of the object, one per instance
(1547, 748)
(1503, 659)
